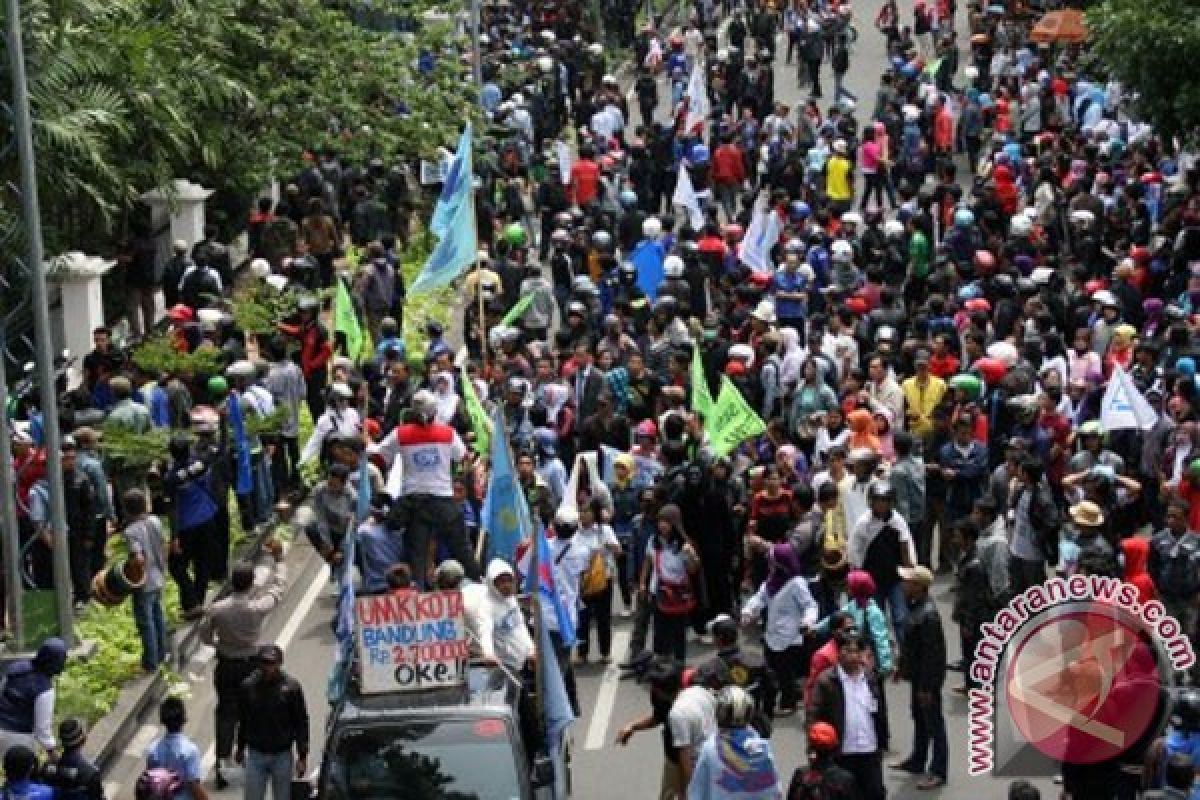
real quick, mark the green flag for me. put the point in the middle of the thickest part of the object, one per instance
(732, 421)
(517, 311)
(480, 424)
(345, 321)
(701, 398)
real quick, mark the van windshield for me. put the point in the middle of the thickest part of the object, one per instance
(443, 760)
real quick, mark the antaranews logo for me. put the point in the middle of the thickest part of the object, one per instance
(1076, 669)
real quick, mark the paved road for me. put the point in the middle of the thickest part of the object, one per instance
(601, 769)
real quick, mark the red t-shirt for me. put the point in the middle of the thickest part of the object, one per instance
(585, 181)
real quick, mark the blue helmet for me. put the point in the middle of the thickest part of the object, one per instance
(969, 292)
(799, 210)
(628, 198)
(964, 218)
(699, 154)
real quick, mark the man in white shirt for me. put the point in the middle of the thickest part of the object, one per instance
(848, 697)
(426, 509)
(880, 541)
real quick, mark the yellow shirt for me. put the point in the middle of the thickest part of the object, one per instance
(919, 403)
(837, 179)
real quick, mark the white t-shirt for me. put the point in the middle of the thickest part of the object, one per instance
(600, 537)
(427, 454)
(692, 718)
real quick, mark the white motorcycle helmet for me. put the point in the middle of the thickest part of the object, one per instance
(673, 267)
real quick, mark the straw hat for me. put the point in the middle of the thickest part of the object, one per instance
(1087, 514)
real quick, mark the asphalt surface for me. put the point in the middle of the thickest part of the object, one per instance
(601, 769)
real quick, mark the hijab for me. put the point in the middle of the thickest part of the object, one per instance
(862, 430)
(861, 587)
(785, 565)
(447, 398)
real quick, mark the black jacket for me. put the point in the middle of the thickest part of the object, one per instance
(828, 704)
(273, 716)
(923, 654)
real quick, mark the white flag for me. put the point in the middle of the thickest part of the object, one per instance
(685, 195)
(760, 237)
(1123, 406)
(565, 161)
(697, 97)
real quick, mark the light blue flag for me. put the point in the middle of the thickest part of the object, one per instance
(556, 707)
(456, 187)
(453, 253)
(648, 257)
(546, 585)
(244, 483)
(505, 515)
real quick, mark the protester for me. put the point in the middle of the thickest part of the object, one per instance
(273, 721)
(174, 757)
(27, 702)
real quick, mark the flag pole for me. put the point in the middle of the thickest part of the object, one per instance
(483, 338)
(539, 674)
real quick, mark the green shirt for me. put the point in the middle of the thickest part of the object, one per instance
(918, 254)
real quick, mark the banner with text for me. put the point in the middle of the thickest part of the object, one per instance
(410, 640)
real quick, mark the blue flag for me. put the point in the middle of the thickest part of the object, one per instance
(648, 258)
(505, 514)
(244, 483)
(453, 253)
(557, 705)
(456, 188)
(546, 585)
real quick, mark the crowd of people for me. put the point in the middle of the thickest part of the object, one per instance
(922, 297)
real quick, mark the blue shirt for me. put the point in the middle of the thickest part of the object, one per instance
(1189, 745)
(789, 282)
(379, 550)
(178, 753)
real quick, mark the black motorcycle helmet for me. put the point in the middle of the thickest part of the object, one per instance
(1185, 711)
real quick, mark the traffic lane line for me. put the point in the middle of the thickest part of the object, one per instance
(606, 697)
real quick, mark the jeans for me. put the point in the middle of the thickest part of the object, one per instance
(893, 600)
(151, 626)
(275, 766)
(929, 727)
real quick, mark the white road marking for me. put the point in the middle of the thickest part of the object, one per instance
(606, 697)
(299, 615)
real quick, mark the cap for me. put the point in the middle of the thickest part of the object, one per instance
(270, 654)
(449, 569)
(723, 626)
(917, 574)
(822, 737)
(72, 732)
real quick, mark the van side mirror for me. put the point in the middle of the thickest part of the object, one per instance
(541, 774)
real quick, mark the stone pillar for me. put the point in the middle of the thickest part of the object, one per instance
(182, 209)
(79, 278)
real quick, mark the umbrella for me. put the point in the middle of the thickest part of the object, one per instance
(1067, 26)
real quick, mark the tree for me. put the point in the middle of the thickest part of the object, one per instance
(1149, 46)
(128, 94)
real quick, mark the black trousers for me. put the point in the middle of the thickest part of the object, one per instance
(230, 674)
(80, 556)
(597, 609)
(670, 635)
(785, 664)
(867, 769)
(426, 518)
(190, 567)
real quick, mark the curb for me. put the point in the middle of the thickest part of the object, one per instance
(110, 736)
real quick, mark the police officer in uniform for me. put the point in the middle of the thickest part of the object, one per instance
(746, 669)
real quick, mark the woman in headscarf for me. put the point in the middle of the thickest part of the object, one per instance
(626, 491)
(793, 359)
(792, 465)
(671, 578)
(862, 430)
(882, 417)
(866, 615)
(447, 398)
(791, 612)
(812, 395)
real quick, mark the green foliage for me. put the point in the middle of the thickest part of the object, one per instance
(1149, 45)
(158, 355)
(135, 451)
(257, 307)
(129, 94)
(89, 688)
